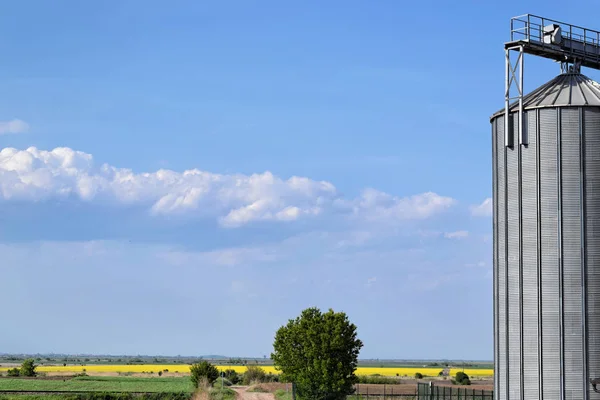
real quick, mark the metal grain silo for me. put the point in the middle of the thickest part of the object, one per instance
(547, 243)
(546, 213)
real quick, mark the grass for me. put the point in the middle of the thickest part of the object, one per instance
(99, 396)
(99, 384)
(281, 394)
(258, 389)
(225, 394)
(30, 397)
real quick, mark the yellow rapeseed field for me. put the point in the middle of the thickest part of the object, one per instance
(184, 368)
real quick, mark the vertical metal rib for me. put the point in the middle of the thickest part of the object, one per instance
(520, 196)
(522, 139)
(560, 258)
(582, 213)
(495, 255)
(507, 98)
(506, 264)
(539, 253)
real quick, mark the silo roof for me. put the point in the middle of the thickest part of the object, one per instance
(566, 90)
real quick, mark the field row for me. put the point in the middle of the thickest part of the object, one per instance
(99, 384)
(184, 368)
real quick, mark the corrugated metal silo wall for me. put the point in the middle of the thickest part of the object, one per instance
(500, 262)
(571, 251)
(514, 271)
(529, 209)
(549, 256)
(542, 229)
(591, 156)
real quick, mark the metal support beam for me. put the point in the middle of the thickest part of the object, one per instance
(514, 79)
(567, 67)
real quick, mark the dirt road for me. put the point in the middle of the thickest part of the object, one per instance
(243, 394)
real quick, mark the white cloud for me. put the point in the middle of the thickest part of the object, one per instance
(234, 199)
(13, 126)
(482, 210)
(379, 206)
(456, 235)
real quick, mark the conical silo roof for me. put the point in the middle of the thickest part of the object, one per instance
(566, 90)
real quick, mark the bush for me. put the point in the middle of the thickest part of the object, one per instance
(203, 373)
(225, 381)
(28, 368)
(462, 379)
(13, 372)
(225, 394)
(418, 375)
(233, 376)
(159, 373)
(254, 374)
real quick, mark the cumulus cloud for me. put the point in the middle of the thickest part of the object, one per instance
(234, 199)
(375, 205)
(456, 235)
(482, 210)
(13, 126)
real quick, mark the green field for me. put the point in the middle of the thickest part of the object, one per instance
(99, 384)
(30, 397)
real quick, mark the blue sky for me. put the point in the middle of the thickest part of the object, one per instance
(183, 178)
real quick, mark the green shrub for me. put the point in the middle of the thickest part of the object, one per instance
(203, 373)
(225, 381)
(225, 394)
(462, 379)
(233, 376)
(159, 373)
(28, 368)
(13, 372)
(418, 375)
(254, 374)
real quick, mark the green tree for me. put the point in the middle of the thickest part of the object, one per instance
(418, 375)
(462, 378)
(319, 353)
(28, 368)
(203, 372)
